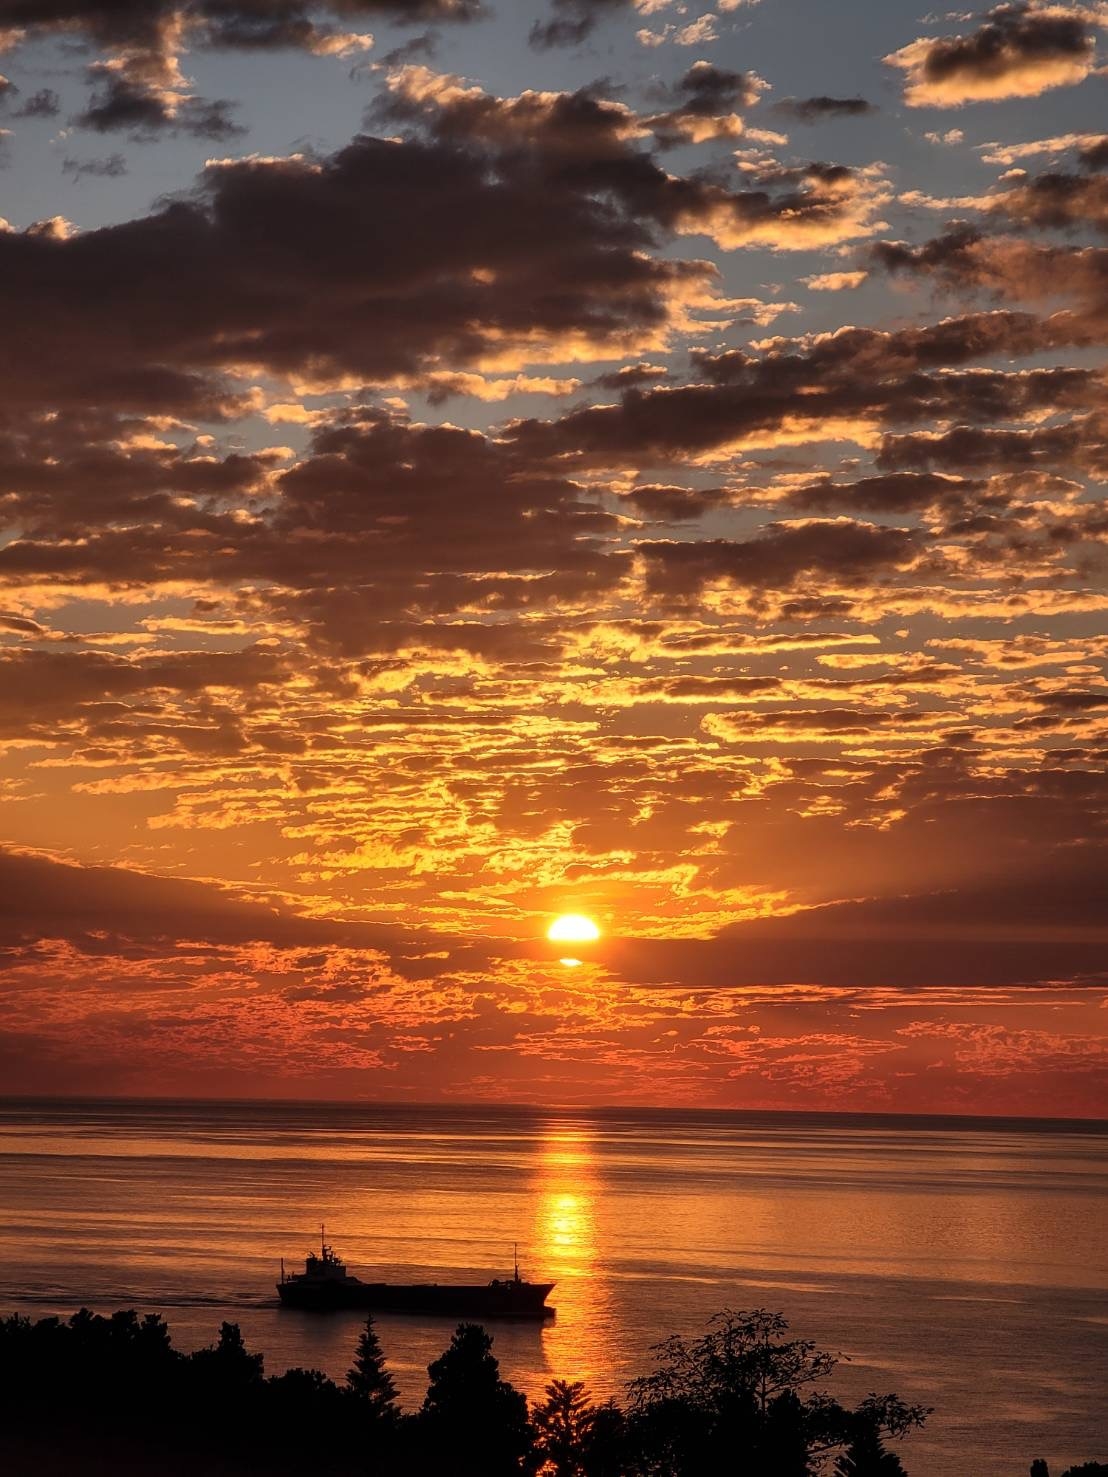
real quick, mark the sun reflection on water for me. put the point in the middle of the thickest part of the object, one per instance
(567, 1242)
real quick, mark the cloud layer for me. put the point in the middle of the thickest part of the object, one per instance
(577, 495)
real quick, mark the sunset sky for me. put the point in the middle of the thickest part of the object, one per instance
(467, 463)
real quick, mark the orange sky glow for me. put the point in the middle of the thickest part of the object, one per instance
(475, 493)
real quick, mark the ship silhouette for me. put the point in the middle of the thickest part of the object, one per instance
(326, 1286)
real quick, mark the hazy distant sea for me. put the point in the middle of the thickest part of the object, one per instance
(963, 1263)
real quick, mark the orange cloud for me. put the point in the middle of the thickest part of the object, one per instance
(1021, 49)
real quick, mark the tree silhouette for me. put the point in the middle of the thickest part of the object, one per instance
(743, 1356)
(721, 1397)
(782, 1444)
(303, 1386)
(607, 1440)
(866, 1456)
(96, 1393)
(231, 1357)
(369, 1380)
(739, 1395)
(473, 1421)
(572, 1433)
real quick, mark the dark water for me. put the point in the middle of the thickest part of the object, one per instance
(963, 1263)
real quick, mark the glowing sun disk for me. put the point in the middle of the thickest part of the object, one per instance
(573, 928)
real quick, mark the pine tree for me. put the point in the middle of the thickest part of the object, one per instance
(369, 1379)
(564, 1423)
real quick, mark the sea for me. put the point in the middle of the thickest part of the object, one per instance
(962, 1263)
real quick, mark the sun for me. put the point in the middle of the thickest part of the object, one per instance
(573, 928)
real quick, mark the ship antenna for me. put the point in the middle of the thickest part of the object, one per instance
(322, 1239)
(515, 1257)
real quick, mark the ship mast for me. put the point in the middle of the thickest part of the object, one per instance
(515, 1257)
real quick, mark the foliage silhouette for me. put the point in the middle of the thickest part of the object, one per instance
(369, 1380)
(574, 1437)
(1039, 1468)
(112, 1396)
(867, 1456)
(563, 1424)
(735, 1396)
(472, 1421)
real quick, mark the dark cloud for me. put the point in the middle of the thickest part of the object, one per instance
(854, 374)
(433, 518)
(779, 557)
(557, 130)
(268, 24)
(954, 937)
(706, 90)
(113, 167)
(78, 472)
(816, 109)
(572, 22)
(905, 492)
(280, 263)
(122, 104)
(704, 103)
(138, 83)
(1019, 50)
(142, 23)
(675, 504)
(1094, 155)
(583, 141)
(101, 909)
(417, 49)
(95, 690)
(45, 103)
(378, 517)
(1056, 200)
(964, 260)
(631, 374)
(384, 518)
(1073, 700)
(513, 224)
(1079, 445)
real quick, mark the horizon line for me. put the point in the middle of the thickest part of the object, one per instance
(1100, 1124)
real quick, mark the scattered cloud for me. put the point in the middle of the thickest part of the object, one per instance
(1020, 49)
(819, 109)
(112, 167)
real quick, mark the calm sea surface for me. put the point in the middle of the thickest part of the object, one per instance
(963, 1263)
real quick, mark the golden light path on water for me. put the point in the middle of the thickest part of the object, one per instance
(566, 1245)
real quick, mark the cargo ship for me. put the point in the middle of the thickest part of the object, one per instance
(325, 1286)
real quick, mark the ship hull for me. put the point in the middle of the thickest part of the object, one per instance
(516, 1300)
